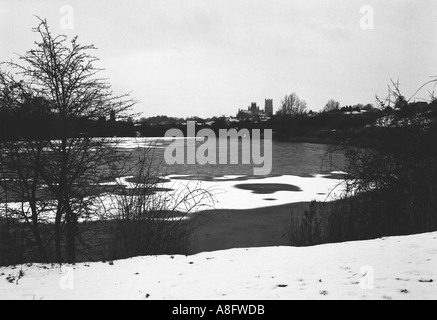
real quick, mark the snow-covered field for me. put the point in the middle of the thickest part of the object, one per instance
(390, 268)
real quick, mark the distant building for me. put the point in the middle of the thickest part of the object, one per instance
(254, 111)
(268, 107)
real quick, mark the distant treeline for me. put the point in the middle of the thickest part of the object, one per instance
(325, 127)
(34, 126)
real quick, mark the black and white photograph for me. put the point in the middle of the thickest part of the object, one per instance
(218, 155)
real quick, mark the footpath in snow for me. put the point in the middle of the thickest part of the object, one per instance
(390, 268)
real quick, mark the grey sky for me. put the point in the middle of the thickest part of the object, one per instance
(211, 57)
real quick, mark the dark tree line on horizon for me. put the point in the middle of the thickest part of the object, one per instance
(32, 121)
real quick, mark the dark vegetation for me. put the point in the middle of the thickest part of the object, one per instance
(29, 122)
(391, 181)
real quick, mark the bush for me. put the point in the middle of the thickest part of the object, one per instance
(307, 230)
(12, 242)
(391, 187)
(148, 220)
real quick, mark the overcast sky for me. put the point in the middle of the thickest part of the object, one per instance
(212, 57)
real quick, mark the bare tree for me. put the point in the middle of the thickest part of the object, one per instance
(395, 99)
(332, 105)
(22, 183)
(292, 105)
(72, 166)
(19, 160)
(150, 219)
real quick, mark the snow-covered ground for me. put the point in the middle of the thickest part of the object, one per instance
(390, 268)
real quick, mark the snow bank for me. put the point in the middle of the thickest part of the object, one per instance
(390, 268)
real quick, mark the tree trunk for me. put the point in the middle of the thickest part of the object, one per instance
(71, 230)
(43, 257)
(58, 235)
